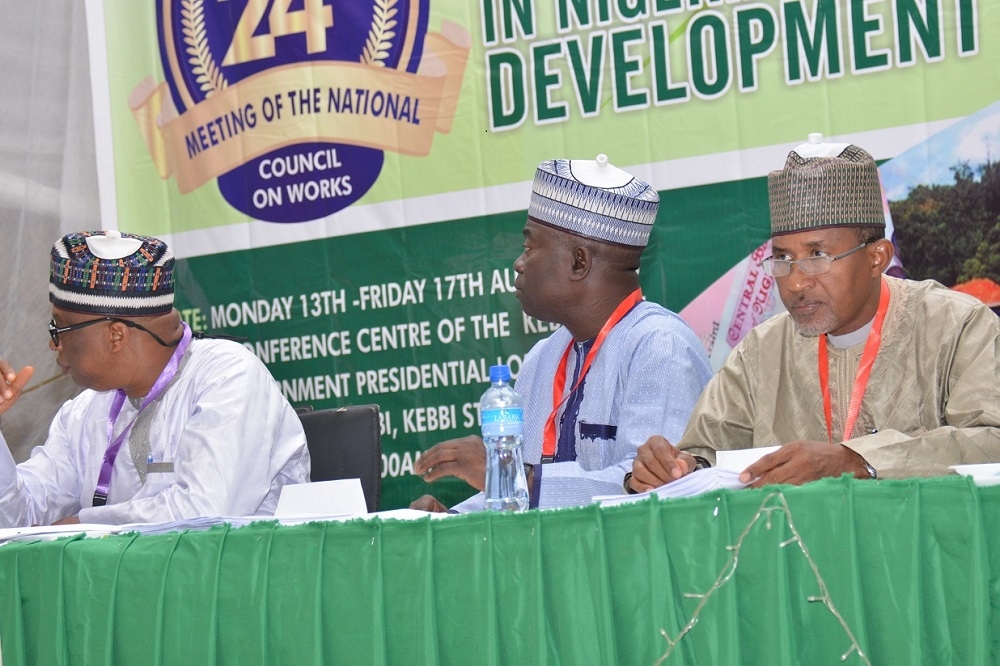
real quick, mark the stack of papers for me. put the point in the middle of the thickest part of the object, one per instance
(49, 532)
(724, 476)
(697, 482)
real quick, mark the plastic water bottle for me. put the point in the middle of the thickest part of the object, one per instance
(503, 420)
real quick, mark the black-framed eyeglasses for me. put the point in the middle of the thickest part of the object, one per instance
(56, 331)
(809, 265)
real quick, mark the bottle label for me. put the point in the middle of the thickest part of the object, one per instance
(499, 422)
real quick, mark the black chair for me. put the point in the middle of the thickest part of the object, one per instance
(346, 443)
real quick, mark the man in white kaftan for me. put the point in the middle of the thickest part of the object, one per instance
(201, 426)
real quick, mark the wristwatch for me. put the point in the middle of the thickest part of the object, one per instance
(871, 470)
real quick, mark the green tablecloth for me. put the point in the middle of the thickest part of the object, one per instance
(885, 572)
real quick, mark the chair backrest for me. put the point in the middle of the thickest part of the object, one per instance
(346, 443)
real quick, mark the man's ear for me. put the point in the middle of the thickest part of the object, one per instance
(881, 253)
(118, 336)
(583, 262)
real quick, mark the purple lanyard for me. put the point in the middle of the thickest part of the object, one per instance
(104, 480)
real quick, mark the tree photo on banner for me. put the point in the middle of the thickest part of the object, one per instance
(345, 183)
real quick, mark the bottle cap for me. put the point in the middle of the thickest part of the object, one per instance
(499, 373)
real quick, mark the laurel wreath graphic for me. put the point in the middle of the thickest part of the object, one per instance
(203, 66)
(381, 34)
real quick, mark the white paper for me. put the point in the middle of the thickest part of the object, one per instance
(986, 474)
(738, 460)
(340, 497)
(301, 518)
(409, 514)
(341, 512)
(199, 523)
(696, 483)
(49, 532)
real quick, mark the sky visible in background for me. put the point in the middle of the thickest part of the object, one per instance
(974, 140)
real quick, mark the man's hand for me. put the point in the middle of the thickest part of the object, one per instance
(68, 520)
(803, 461)
(464, 457)
(658, 462)
(428, 503)
(12, 384)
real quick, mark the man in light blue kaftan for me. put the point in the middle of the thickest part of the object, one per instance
(642, 367)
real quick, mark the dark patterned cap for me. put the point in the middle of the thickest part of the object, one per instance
(593, 199)
(111, 273)
(817, 190)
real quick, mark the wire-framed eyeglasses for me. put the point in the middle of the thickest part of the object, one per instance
(56, 331)
(809, 265)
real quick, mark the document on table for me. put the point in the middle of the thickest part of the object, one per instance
(725, 475)
(49, 532)
(985, 474)
(339, 497)
(697, 482)
(738, 460)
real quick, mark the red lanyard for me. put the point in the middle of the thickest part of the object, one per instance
(864, 369)
(559, 383)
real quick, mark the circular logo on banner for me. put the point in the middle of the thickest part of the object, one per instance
(291, 104)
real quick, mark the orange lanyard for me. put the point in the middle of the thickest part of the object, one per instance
(864, 369)
(559, 383)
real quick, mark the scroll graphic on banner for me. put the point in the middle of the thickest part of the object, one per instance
(739, 300)
(291, 110)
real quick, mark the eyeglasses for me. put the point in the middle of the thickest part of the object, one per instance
(56, 331)
(809, 265)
